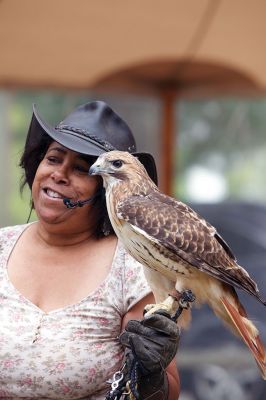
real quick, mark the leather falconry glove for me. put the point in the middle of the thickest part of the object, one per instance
(151, 343)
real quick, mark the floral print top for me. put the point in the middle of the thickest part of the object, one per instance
(68, 353)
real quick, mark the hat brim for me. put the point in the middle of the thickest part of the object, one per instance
(85, 145)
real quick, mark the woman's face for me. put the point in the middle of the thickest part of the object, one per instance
(63, 173)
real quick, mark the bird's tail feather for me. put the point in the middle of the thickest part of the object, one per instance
(248, 332)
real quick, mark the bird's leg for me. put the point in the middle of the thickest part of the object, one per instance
(184, 299)
(173, 305)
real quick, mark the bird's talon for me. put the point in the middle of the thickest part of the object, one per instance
(156, 308)
(148, 307)
(163, 312)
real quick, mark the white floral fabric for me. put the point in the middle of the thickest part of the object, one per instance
(68, 353)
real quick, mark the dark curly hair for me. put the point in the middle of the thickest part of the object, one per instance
(33, 154)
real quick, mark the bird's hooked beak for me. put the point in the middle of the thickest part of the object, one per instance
(97, 168)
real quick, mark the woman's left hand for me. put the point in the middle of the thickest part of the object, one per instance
(153, 342)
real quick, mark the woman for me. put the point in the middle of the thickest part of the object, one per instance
(67, 288)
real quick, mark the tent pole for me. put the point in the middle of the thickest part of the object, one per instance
(167, 141)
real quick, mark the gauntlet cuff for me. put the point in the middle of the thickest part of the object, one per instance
(154, 387)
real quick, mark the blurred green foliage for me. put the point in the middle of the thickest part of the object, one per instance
(227, 137)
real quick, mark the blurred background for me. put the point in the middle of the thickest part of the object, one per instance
(189, 77)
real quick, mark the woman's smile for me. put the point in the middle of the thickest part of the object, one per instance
(52, 194)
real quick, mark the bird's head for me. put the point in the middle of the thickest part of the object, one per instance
(117, 166)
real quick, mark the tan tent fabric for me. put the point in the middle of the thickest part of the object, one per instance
(78, 43)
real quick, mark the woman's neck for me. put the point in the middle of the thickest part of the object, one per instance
(56, 236)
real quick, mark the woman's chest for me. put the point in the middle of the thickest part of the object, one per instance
(53, 279)
(68, 354)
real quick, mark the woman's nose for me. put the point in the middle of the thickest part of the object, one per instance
(60, 176)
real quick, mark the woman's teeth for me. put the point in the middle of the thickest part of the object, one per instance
(53, 194)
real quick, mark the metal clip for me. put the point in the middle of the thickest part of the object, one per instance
(117, 378)
(117, 385)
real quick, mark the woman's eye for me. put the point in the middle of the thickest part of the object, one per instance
(117, 163)
(82, 169)
(53, 160)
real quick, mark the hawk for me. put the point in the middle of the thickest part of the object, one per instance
(178, 249)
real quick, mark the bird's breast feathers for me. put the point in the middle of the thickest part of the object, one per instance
(149, 252)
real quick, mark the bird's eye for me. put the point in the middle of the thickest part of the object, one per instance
(117, 163)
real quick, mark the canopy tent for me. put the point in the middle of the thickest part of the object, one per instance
(65, 43)
(167, 48)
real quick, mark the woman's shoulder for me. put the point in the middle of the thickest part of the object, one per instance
(12, 229)
(8, 233)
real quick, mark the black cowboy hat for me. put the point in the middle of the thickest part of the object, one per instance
(92, 128)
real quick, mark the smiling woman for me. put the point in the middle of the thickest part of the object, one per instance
(68, 287)
(62, 174)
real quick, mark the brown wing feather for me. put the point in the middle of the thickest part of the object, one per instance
(181, 230)
(191, 214)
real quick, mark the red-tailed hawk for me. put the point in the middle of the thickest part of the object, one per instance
(178, 249)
